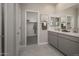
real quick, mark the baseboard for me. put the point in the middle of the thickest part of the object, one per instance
(43, 43)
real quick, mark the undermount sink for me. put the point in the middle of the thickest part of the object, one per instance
(65, 31)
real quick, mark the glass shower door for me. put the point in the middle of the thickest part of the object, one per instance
(32, 28)
(31, 33)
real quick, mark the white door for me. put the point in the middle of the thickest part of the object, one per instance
(18, 28)
(0, 29)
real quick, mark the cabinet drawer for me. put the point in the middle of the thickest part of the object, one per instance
(68, 47)
(73, 38)
(49, 37)
(52, 38)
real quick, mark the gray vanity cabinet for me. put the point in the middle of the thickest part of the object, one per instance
(68, 46)
(52, 38)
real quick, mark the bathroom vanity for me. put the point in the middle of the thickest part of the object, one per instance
(66, 42)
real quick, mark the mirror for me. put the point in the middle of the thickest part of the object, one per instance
(52, 22)
(69, 23)
(55, 21)
(63, 23)
(66, 23)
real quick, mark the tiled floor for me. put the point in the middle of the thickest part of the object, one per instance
(40, 50)
(31, 40)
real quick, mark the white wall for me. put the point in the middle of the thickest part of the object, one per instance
(18, 28)
(64, 9)
(44, 9)
(22, 26)
(63, 6)
(68, 9)
(9, 29)
(11, 18)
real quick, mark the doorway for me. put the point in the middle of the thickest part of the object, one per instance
(32, 27)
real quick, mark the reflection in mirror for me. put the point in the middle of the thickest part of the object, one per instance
(52, 22)
(66, 23)
(55, 23)
(69, 18)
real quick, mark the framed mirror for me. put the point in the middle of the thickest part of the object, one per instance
(69, 23)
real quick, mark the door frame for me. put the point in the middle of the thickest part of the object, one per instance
(15, 49)
(18, 27)
(38, 28)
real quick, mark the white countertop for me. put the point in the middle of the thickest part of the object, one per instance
(67, 33)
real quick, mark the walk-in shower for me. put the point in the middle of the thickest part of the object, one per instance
(32, 18)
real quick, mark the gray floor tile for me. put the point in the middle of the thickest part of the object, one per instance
(40, 50)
